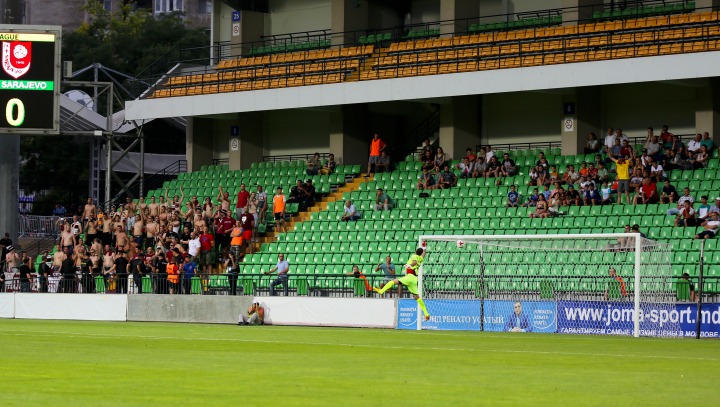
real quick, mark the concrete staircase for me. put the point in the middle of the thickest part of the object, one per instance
(318, 207)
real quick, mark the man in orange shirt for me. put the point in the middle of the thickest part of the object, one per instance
(376, 147)
(279, 209)
(173, 271)
(614, 277)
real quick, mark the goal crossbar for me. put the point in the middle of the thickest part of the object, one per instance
(637, 250)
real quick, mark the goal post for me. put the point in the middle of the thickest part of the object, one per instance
(609, 283)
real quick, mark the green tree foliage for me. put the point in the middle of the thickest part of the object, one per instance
(128, 40)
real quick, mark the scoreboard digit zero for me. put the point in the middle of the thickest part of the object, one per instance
(29, 79)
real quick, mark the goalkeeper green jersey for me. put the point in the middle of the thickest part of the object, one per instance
(413, 269)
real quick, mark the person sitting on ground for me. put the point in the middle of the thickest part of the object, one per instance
(383, 201)
(710, 226)
(513, 198)
(350, 212)
(255, 315)
(647, 193)
(686, 217)
(591, 196)
(447, 179)
(572, 197)
(427, 180)
(533, 199)
(541, 209)
(313, 165)
(681, 202)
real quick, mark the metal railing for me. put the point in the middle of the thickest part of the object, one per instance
(293, 157)
(38, 226)
(152, 182)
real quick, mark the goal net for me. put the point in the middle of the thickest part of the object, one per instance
(578, 284)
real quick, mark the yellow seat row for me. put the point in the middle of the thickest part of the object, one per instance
(554, 31)
(256, 73)
(546, 59)
(248, 85)
(296, 57)
(552, 45)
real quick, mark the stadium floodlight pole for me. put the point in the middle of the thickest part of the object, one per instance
(638, 248)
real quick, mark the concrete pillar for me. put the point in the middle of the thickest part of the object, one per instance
(349, 135)
(706, 3)
(198, 143)
(585, 120)
(249, 140)
(9, 184)
(460, 125)
(707, 110)
(580, 12)
(252, 28)
(346, 17)
(456, 9)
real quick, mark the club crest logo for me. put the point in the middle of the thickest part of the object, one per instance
(16, 57)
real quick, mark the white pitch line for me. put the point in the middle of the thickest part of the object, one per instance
(351, 345)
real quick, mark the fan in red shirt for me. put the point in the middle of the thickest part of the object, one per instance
(242, 201)
(225, 224)
(247, 221)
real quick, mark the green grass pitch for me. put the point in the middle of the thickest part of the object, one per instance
(68, 363)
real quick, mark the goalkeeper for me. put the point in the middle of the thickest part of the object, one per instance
(410, 279)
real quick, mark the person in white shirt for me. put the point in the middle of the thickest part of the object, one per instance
(620, 136)
(710, 226)
(693, 147)
(644, 157)
(656, 171)
(681, 202)
(489, 154)
(194, 245)
(609, 141)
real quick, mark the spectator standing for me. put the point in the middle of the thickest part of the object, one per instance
(5, 242)
(242, 199)
(44, 270)
(189, 271)
(513, 198)
(247, 223)
(383, 163)
(194, 245)
(681, 202)
(609, 141)
(310, 192)
(282, 268)
(383, 201)
(236, 244)
(279, 209)
(137, 269)
(313, 165)
(376, 147)
(440, 159)
(351, 213)
(207, 243)
(710, 226)
(232, 269)
(12, 259)
(25, 277)
(623, 174)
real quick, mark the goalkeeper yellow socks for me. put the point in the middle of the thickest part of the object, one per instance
(422, 305)
(386, 287)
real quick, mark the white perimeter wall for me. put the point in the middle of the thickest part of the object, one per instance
(83, 307)
(290, 16)
(348, 312)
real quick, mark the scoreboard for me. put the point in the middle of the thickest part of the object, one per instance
(30, 79)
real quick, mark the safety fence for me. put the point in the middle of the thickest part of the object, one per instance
(38, 226)
(504, 286)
